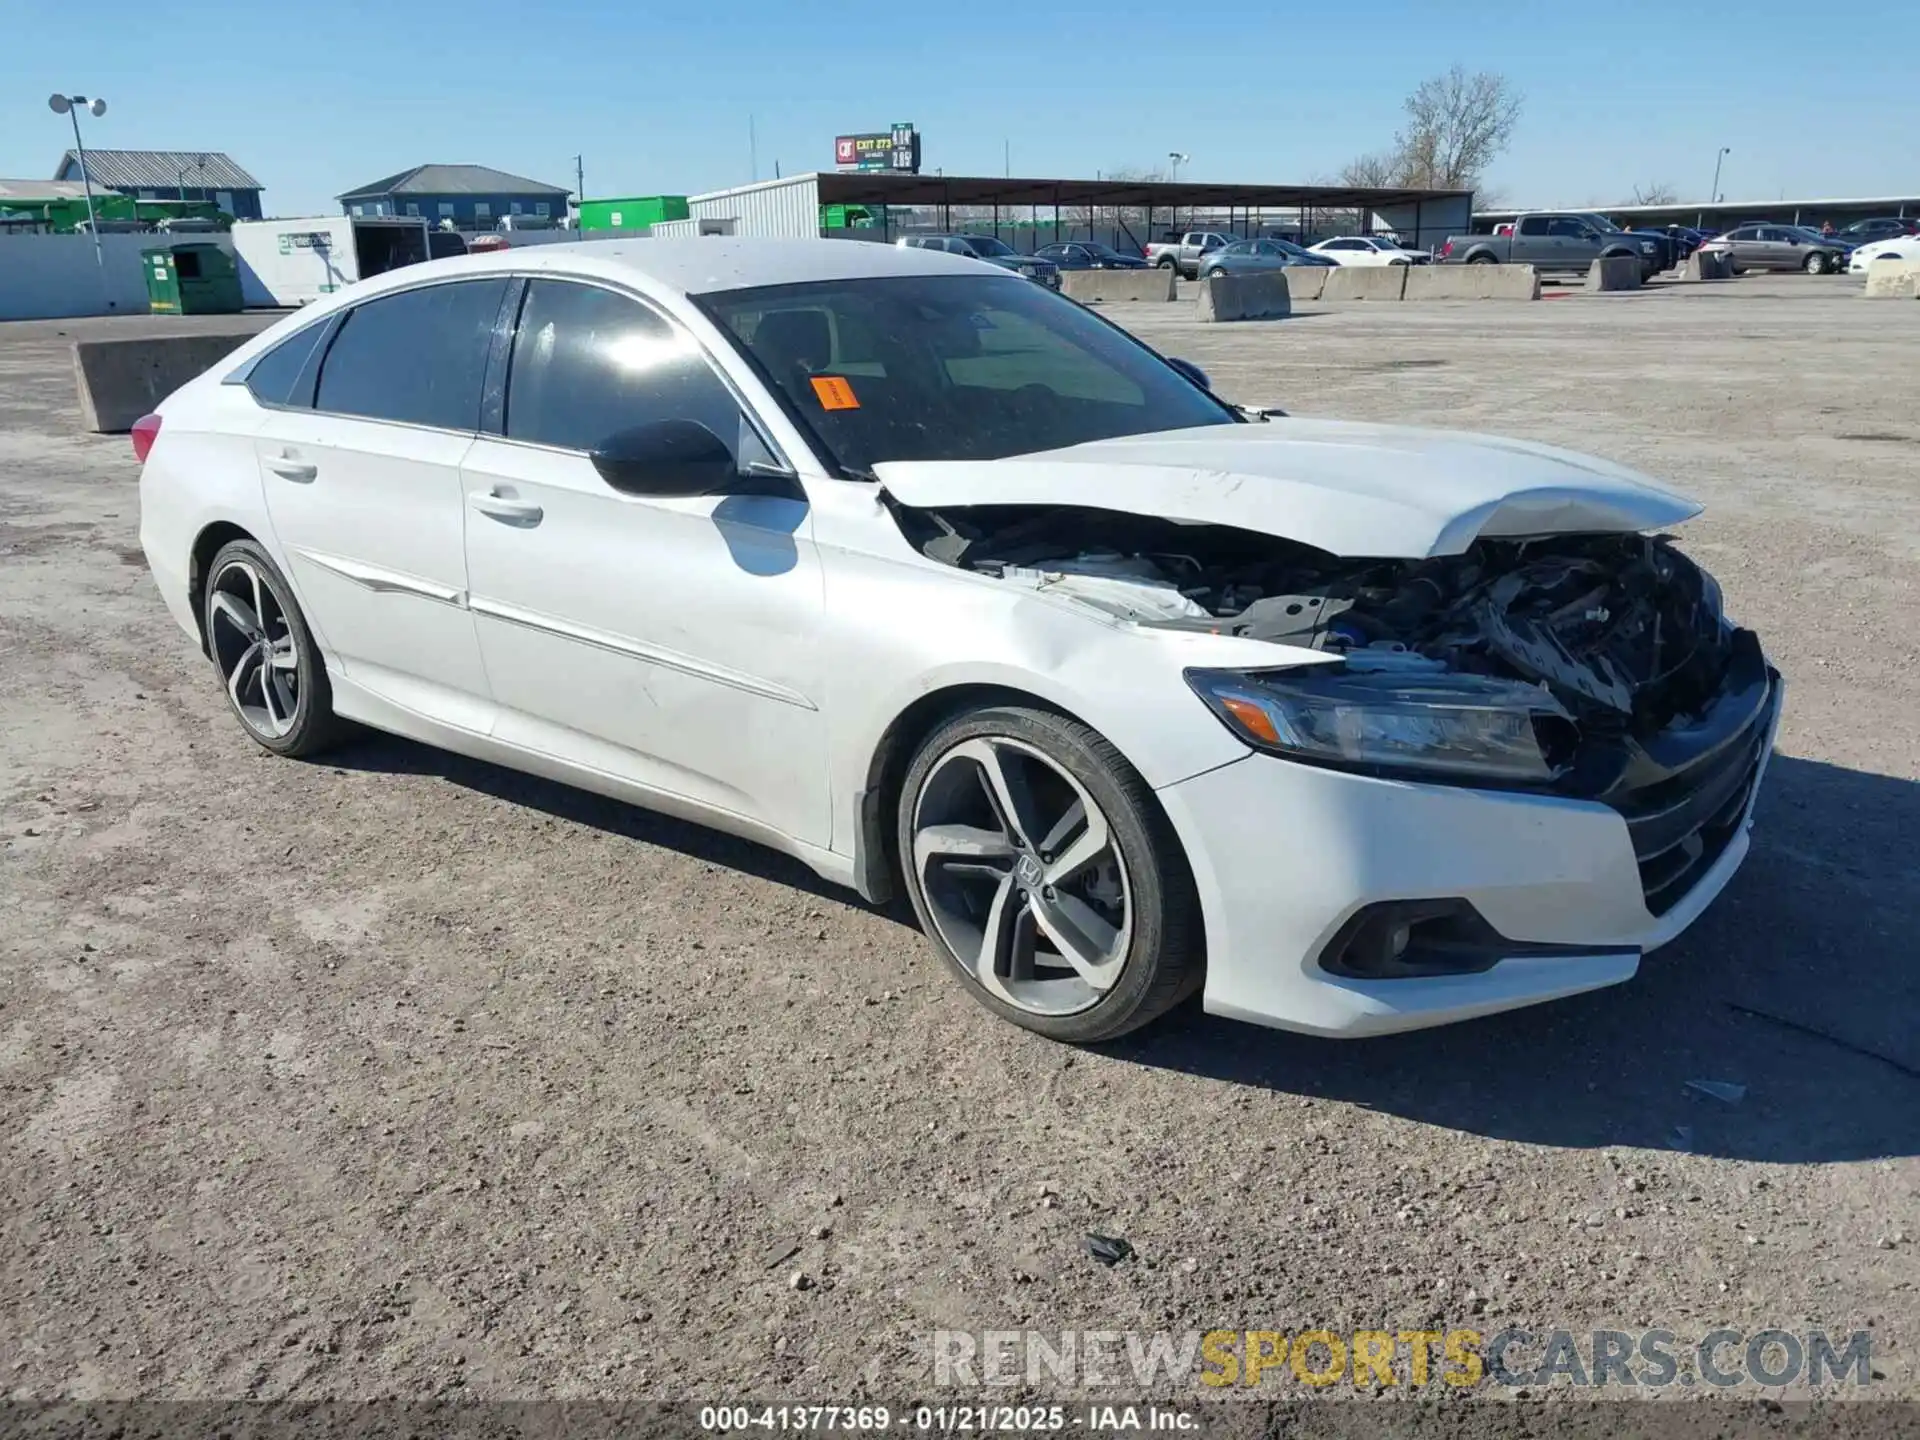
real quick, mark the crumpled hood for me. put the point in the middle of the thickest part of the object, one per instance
(1387, 491)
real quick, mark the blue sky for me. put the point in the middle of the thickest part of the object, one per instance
(319, 97)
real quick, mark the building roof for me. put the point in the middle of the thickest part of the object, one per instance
(1757, 209)
(453, 180)
(38, 192)
(885, 188)
(157, 169)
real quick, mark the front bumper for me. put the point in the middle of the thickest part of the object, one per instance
(1284, 855)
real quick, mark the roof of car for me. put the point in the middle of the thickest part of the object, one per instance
(710, 263)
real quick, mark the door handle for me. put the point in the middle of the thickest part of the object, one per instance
(287, 468)
(503, 508)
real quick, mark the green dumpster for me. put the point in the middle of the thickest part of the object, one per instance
(197, 279)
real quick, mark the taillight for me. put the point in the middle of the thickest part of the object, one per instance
(146, 430)
(1446, 249)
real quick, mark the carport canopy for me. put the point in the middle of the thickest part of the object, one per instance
(1157, 197)
(885, 188)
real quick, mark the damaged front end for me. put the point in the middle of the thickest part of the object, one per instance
(1596, 666)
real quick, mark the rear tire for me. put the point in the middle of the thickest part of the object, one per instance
(1816, 264)
(269, 665)
(1046, 876)
(1166, 264)
(1481, 260)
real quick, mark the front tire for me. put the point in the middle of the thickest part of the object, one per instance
(273, 673)
(1046, 876)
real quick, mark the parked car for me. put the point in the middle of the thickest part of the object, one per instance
(1186, 253)
(1781, 247)
(991, 250)
(1687, 239)
(1245, 256)
(1367, 250)
(1898, 247)
(1667, 250)
(937, 580)
(1866, 232)
(1558, 240)
(1089, 255)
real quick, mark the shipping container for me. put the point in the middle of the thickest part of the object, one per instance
(294, 262)
(637, 213)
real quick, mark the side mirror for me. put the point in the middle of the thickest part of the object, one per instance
(1192, 371)
(668, 457)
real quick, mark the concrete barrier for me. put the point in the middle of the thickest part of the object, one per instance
(1262, 296)
(1473, 282)
(1366, 282)
(121, 380)
(1306, 282)
(1110, 287)
(1617, 272)
(1709, 265)
(1893, 279)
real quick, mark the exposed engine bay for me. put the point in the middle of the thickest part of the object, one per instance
(1624, 630)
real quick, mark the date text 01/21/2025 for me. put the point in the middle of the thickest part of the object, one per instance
(948, 1419)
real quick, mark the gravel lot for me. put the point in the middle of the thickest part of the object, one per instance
(404, 1075)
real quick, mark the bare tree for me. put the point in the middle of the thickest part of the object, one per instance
(1655, 194)
(1457, 125)
(1379, 171)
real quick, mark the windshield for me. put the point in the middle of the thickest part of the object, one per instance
(986, 247)
(952, 367)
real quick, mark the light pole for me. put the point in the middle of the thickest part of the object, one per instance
(1178, 160)
(70, 106)
(1714, 194)
(180, 179)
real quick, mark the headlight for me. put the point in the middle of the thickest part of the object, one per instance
(1468, 726)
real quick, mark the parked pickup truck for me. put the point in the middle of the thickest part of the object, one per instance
(1555, 240)
(1185, 253)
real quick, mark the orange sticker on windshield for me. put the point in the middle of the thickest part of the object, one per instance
(834, 393)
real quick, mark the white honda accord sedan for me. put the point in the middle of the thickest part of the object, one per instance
(935, 579)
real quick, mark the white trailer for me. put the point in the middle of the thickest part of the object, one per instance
(294, 262)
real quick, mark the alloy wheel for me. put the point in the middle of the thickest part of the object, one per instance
(254, 647)
(1022, 877)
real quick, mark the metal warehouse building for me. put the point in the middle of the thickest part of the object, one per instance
(1048, 210)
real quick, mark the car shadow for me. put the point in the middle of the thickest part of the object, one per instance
(377, 753)
(1799, 986)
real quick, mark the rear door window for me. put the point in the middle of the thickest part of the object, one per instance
(418, 357)
(1534, 225)
(274, 375)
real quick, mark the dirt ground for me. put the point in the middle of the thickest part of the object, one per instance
(403, 1075)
